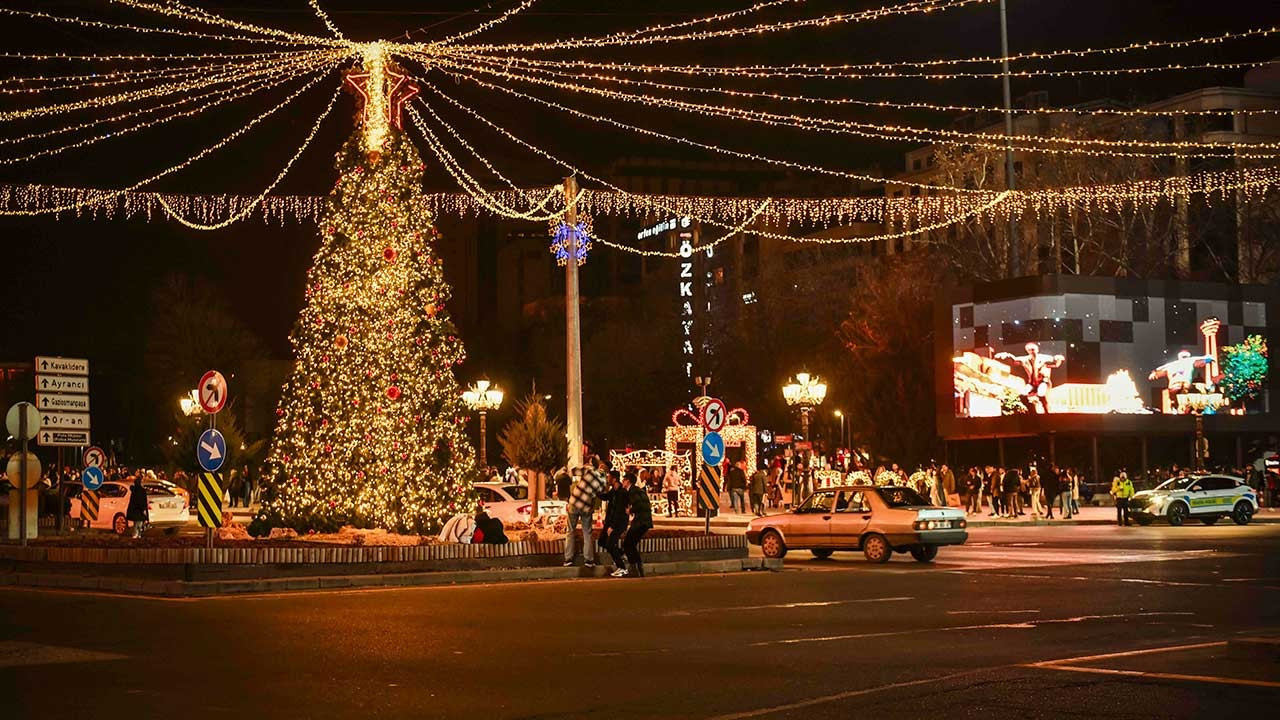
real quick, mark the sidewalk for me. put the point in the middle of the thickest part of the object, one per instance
(1088, 515)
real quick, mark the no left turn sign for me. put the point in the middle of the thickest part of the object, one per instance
(213, 392)
(714, 415)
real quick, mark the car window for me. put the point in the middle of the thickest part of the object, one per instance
(158, 491)
(1218, 483)
(113, 491)
(1180, 483)
(851, 501)
(487, 495)
(896, 497)
(819, 502)
(517, 492)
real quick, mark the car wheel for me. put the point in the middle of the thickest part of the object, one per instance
(1177, 514)
(772, 545)
(876, 548)
(1143, 521)
(119, 525)
(821, 554)
(924, 553)
(1242, 513)
(1211, 519)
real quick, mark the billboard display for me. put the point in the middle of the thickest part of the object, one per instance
(1039, 354)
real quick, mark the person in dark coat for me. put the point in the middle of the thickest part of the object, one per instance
(1052, 487)
(615, 521)
(137, 512)
(489, 530)
(641, 523)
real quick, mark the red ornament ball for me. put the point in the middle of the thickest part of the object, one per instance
(389, 254)
(374, 156)
(393, 392)
(340, 343)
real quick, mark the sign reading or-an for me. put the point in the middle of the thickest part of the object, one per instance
(712, 448)
(63, 438)
(13, 420)
(61, 365)
(92, 478)
(89, 506)
(714, 415)
(64, 421)
(213, 391)
(62, 403)
(211, 450)
(209, 500)
(708, 488)
(95, 457)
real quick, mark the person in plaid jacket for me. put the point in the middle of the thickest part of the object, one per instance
(582, 496)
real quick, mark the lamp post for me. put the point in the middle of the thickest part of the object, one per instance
(190, 403)
(805, 392)
(840, 414)
(482, 397)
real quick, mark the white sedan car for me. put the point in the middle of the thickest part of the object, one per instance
(1207, 498)
(510, 503)
(166, 508)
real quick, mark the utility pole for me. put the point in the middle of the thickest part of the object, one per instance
(1014, 260)
(573, 327)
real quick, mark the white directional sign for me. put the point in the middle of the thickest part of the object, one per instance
(64, 421)
(61, 365)
(62, 403)
(63, 438)
(62, 384)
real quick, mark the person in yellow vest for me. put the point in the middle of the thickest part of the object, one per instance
(1121, 491)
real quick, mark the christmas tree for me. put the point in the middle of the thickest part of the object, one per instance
(1244, 369)
(370, 428)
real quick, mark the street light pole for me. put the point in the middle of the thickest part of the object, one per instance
(484, 437)
(482, 397)
(1014, 260)
(573, 327)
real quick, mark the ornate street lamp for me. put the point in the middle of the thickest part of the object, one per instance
(483, 397)
(805, 392)
(190, 404)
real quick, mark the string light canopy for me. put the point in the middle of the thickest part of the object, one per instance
(114, 96)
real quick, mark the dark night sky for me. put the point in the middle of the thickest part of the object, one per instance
(79, 287)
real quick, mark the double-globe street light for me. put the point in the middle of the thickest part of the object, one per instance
(482, 397)
(805, 392)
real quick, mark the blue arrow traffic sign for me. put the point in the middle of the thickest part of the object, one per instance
(712, 448)
(92, 478)
(211, 451)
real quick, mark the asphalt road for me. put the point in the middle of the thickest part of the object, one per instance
(823, 639)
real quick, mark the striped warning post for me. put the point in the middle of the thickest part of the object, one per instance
(708, 487)
(209, 500)
(89, 506)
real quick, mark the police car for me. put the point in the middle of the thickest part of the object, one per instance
(1207, 498)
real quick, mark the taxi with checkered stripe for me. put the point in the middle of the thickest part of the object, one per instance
(1204, 497)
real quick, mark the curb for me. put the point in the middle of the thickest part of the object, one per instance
(181, 588)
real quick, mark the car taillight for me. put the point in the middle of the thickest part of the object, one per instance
(524, 509)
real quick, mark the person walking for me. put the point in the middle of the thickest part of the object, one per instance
(738, 487)
(582, 497)
(973, 492)
(1121, 491)
(995, 488)
(1010, 484)
(775, 484)
(137, 512)
(1052, 485)
(1074, 493)
(641, 523)
(615, 522)
(757, 486)
(671, 486)
(948, 484)
(1033, 487)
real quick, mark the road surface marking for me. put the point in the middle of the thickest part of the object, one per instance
(992, 612)
(1072, 665)
(1024, 625)
(18, 654)
(784, 606)
(839, 696)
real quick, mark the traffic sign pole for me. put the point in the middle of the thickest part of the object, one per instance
(22, 478)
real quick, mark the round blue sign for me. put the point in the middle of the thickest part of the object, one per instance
(211, 450)
(92, 478)
(712, 448)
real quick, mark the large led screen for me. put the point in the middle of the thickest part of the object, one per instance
(1156, 352)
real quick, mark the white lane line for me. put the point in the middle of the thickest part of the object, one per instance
(1071, 665)
(1127, 653)
(839, 696)
(992, 612)
(1024, 625)
(18, 654)
(825, 603)
(1080, 578)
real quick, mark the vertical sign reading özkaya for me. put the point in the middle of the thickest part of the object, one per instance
(62, 395)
